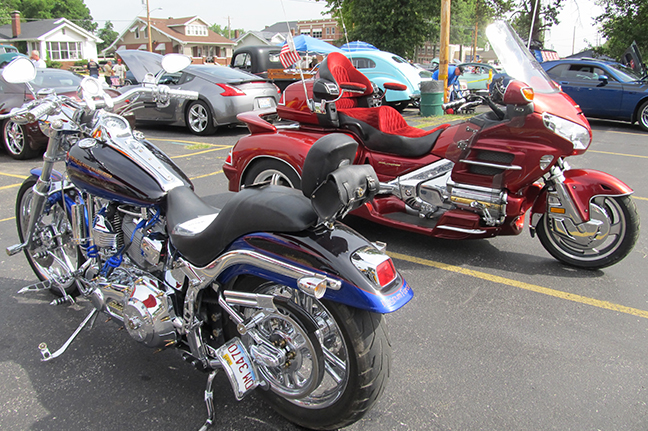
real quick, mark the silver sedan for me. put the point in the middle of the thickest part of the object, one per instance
(224, 93)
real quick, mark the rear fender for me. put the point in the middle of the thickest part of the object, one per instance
(579, 187)
(326, 254)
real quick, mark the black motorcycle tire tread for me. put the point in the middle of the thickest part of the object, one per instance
(28, 184)
(370, 361)
(631, 215)
(267, 164)
(640, 113)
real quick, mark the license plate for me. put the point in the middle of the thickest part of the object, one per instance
(240, 369)
(265, 102)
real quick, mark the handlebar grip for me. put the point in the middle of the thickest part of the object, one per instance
(183, 94)
(40, 110)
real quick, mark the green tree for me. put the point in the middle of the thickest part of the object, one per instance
(73, 10)
(397, 26)
(622, 22)
(546, 16)
(108, 35)
(225, 32)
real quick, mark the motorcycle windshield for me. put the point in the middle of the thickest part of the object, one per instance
(517, 60)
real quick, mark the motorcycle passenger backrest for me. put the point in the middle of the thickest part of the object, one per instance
(339, 69)
(334, 185)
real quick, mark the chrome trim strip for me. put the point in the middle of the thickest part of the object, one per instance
(462, 230)
(492, 165)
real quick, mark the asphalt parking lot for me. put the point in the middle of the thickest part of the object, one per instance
(499, 336)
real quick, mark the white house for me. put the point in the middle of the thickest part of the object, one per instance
(55, 39)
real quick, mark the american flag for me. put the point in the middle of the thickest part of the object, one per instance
(288, 55)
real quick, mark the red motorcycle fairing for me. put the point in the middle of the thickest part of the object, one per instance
(583, 185)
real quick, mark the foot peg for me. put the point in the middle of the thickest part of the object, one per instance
(15, 249)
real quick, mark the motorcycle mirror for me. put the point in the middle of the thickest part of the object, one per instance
(173, 63)
(19, 71)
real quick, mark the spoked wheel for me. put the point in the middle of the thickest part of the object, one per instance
(53, 254)
(642, 117)
(615, 237)
(355, 359)
(15, 141)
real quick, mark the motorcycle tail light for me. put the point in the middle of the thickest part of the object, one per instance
(228, 159)
(230, 91)
(375, 265)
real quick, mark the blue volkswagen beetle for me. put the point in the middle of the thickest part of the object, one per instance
(382, 66)
(603, 89)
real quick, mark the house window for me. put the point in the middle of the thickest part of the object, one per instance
(196, 30)
(137, 33)
(307, 32)
(317, 33)
(64, 50)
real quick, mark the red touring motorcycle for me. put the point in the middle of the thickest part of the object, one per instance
(476, 179)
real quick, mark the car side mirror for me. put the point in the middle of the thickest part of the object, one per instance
(603, 79)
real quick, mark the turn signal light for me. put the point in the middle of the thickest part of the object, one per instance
(528, 94)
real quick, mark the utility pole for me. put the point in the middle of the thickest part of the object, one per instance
(148, 26)
(444, 54)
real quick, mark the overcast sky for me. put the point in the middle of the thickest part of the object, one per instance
(256, 14)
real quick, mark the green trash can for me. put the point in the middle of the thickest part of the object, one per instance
(431, 98)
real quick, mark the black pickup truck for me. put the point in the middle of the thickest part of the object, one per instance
(264, 61)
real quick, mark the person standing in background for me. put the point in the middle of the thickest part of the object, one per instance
(108, 72)
(38, 62)
(93, 68)
(120, 71)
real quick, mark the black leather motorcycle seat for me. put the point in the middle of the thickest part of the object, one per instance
(384, 130)
(257, 209)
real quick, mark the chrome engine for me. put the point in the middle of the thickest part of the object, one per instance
(430, 191)
(132, 245)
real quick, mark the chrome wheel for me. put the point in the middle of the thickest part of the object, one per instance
(53, 254)
(617, 229)
(274, 177)
(199, 118)
(274, 172)
(643, 116)
(15, 140)
(300, 380)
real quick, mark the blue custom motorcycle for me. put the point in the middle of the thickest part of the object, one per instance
(270, 288)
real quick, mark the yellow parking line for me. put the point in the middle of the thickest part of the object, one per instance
(206, 175)
(637, 197)
(10, 186)
(4, 174)
(182, 142)
(7, 219)
(526, 286)
(619, 154)
(196, 153)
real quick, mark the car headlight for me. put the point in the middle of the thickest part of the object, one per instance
(578, 135)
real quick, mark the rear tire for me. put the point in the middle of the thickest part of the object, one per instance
(53, 235)
(199, 118)
(357, 356)
(273, 172)
(622, 224)
(642, 116)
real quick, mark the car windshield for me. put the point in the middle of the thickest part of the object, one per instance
(516, 59)
(624, 73)
(51, 78)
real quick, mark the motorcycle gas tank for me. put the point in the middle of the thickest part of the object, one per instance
(126, 170)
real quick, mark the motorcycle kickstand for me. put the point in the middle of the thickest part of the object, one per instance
(47, 356)
(209, 401)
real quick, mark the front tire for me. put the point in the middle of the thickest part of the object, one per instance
(15, 141)
(357, 359)
(53, 248)
(199, 118)
(617, 236)
(642, 116)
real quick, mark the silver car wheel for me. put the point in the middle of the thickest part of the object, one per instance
(198, 118)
